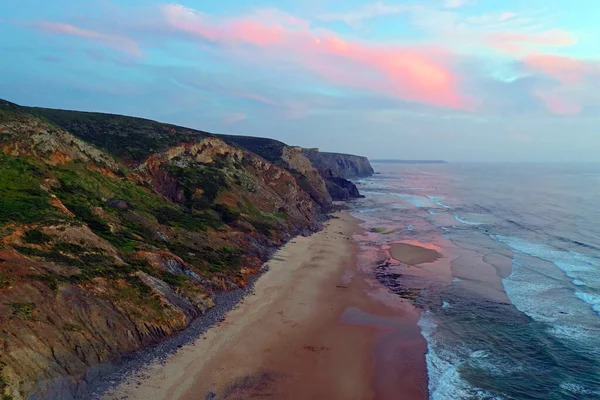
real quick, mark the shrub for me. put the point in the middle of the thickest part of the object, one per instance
(228, 214)
(174, 280)
(36, 237)
(23, 311)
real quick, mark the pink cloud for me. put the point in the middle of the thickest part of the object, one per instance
(515, 42)
(557, 102)
(565, 69)
(411, 74)
(568, 96)
(115, 42)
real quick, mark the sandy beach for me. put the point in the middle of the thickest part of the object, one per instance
(312, 329)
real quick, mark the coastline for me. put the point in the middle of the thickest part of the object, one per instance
(315, 326)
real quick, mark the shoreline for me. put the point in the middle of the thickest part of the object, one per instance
(314, 327)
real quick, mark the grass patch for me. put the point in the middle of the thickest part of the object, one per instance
(252, 210)
(228, 214)
(24, 311)
(262, 227)
(210, 260)
(378, 230)
(174, 280)
(192, 221)
(72, 328)
(201, 184)
(23, 200)
(68, 248)
(53, 256)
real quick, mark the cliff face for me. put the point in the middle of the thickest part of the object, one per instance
(341, 165)
(134, 139)
(116, 232)
(100, 257)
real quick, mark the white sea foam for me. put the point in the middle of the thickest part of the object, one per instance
(438, 200)
(581, 269)
(592, 299)
(464, 221)
(367, 210)
(578, 389)
(443, 364)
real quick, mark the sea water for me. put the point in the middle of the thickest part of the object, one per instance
(537, 227)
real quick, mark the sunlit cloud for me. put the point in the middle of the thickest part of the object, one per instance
(115, 42)
(409, 73)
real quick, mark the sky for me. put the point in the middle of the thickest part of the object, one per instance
(459, 80)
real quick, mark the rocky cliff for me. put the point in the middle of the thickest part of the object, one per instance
(116, 232)
(341, 165)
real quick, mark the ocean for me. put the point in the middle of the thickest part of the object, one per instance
(512, 310)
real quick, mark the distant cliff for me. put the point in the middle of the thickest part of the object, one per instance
(341, 165)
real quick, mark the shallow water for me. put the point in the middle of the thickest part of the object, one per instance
(521, 317)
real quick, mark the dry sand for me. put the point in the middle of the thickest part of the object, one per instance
(310, 331)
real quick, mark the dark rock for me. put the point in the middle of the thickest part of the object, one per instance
(120, 204)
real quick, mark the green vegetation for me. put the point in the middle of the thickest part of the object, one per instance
(269, 149)
(72, 328)
(125, 137)
(23, 311)
(378, 230)
(53, 256)
(191, 221)
(23, 201)
(212, 260)
(252, 210)
(228, 214)
(262, 227)
(174, 280)
(137, 293)
(201, 184)
(3, 386)
(82, 191)
(36, 237)
(68, 248)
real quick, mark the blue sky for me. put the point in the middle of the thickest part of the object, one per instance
(462, 80)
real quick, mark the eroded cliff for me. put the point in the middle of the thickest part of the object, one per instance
(116, 232)
(100, 258)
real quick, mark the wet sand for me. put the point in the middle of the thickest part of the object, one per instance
(413, 255)
(314, 328)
